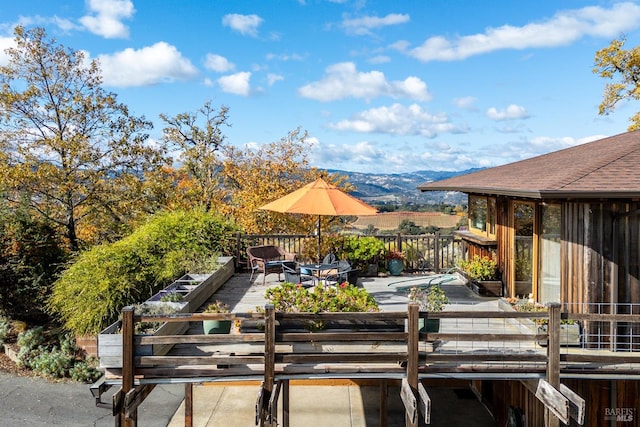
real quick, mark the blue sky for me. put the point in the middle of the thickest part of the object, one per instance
(380, 86)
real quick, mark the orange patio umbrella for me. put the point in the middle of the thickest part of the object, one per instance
(320, 198)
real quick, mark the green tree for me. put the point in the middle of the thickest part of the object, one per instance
(31, 254)
(199, 137)
(68, 144)
(616, 62)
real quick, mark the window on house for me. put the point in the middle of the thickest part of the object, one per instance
(482, 215)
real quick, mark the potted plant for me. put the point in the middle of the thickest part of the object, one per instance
(569, 328)
(431, 299)
(216, 326)
(482, 273)
(363, 253)
(395, 262)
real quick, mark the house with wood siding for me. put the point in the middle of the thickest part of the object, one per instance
(565, 227)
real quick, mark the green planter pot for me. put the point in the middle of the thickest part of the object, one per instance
(395, 266)
(216, 326)
(429, 325)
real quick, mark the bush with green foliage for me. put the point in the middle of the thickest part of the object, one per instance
(55, 356)
(362, 250)
(480, 268)
(5, 327)
(31, 255)
(30, 343)
(344, 297)
(90, 294)
(85, 371)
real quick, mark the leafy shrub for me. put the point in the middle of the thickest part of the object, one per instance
(152, 310)
(90, 294)
(31, 254)
(52, 363)
(335, 299)
(362, 250)
(5, 327)
(480, 268)
(172, 296)
(85, 371)
(431, 299)
(54, 356)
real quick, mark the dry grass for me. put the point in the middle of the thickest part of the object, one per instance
(391, 220)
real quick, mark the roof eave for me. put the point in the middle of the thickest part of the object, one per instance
(538, 194)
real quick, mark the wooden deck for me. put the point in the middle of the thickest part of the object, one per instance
(477, 340)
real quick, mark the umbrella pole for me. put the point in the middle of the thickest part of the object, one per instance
(319, 238)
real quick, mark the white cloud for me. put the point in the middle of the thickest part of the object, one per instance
(342, 80)
(380, 59)
(218, 63)
(398, 120)
(364, 25)
(5, 43)
(273, 78)
(512, 112)
(244, 24)
(147, 66)
(360, 153)
(466, 103)
(525, 148)
(107, 16)
(285, 57)
(237, 84)
(564, 28)
(65, 25)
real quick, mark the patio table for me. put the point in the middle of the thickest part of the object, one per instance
(315, 270)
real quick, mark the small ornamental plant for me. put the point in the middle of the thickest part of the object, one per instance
(292, 298)
(172, 296)
(432, 299)
(395, 255)
(480, 268)
(536, 307)
(216, 307)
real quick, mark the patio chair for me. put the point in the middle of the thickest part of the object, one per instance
(268, 259)
(343, 273)
(329, 259)
(293, 275)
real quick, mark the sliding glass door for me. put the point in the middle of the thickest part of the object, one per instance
(549, 275)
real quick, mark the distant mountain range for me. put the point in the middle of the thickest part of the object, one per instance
(402, 187)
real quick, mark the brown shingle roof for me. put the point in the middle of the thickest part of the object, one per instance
(607, 168)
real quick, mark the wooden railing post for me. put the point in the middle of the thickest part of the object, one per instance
(238, 242)
(436, 252)
(553, 354)
(413, 337)
(128, 369)
(269, 357)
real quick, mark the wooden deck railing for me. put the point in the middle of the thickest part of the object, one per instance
(437, 252)
(276, 347)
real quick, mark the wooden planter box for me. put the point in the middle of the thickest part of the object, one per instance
(198, 287)
(487, 288)
(570, 334)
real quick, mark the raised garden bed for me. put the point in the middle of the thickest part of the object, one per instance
(570, 333)
(197, 289)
